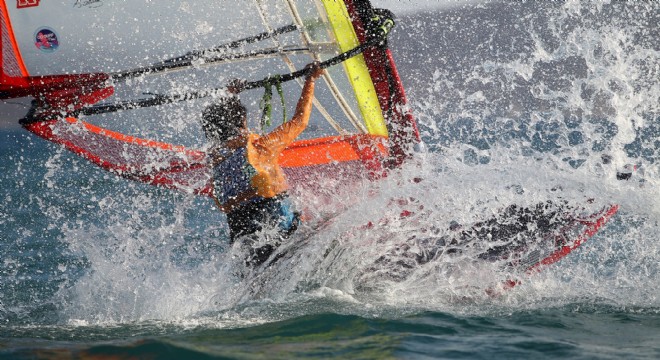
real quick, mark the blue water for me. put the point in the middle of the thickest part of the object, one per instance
(514, 101)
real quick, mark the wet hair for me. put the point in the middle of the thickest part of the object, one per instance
(223, 119)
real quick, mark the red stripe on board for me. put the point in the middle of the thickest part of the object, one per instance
(592, 229)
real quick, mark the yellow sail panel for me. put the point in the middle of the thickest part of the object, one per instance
(356, 68)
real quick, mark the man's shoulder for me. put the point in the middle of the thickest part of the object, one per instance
(257, 141)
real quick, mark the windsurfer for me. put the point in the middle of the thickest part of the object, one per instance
(249, 184)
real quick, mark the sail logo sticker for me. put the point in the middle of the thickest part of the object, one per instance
(45, 39)
(26, 3)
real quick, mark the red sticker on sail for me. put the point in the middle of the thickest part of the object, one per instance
(26, 3)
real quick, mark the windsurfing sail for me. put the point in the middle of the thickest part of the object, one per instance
(75, 59)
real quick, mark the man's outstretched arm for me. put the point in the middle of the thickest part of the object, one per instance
(286, 133)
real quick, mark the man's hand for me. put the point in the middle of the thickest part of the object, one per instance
(314, 71)
(235, 86)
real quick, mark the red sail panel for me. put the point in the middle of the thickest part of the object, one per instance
(13, 69)
(341, 158)
(401, 124)
(147, 161)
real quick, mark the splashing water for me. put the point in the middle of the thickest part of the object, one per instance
(518, 104)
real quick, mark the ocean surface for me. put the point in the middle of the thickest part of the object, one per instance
(517, 102)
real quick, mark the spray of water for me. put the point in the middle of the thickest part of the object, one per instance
(521, 106)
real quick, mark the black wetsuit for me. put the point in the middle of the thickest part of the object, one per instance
(247, 220)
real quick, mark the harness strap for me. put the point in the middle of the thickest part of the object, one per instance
(265, 104)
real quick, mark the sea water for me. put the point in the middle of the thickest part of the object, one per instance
(517, 103)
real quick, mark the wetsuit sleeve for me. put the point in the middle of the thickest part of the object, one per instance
(286, 133)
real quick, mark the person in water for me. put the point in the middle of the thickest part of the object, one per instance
(248, 183)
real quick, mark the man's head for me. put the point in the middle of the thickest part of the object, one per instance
(224, 119)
